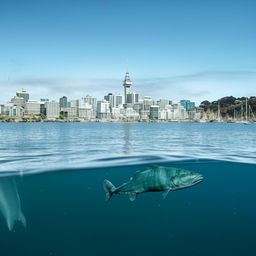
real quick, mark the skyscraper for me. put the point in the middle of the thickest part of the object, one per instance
(52, 109)
(63, 102)
(114, 100)
(187, 104)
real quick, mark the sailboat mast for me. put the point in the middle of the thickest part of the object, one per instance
(246, 109)
(242, 110)
(218, 111)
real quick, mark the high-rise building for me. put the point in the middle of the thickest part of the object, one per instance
(2, 109)
(103, 110)
(154, 112)
(33, 107)
(90, 100)
(52, 109)
(75, 105)
(147, 102)
(86, 113)
(69, 112)
(187, 104)
(132, 98)
(106, 97)
(23, 94)
(114, 100)
(127, 86)
(117, 100)
(63, 102)
(179, 111)
(162, 103)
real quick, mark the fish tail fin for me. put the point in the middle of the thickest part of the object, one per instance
(13, 220)
(23, 220)
(109, 189)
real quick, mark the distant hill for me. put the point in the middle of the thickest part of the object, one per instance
(230, 107)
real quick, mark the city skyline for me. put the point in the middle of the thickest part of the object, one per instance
(116, 107)
(175, 88)
(180, 49)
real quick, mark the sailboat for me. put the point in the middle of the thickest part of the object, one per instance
(246, 121)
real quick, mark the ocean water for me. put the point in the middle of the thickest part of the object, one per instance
(52, 175)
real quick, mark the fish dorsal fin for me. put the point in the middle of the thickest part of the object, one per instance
(132, 196)
(166, 193)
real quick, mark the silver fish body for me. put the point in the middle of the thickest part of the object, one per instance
(155, 178)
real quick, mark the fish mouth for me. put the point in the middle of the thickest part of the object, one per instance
(198, 179)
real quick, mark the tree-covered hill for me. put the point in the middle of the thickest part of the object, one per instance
(231, 107)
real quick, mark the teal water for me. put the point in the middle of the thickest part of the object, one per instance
(64, 202)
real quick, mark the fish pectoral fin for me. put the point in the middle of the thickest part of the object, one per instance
(166, 193)
(132, 196)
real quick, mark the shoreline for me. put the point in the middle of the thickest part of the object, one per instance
(122, 121)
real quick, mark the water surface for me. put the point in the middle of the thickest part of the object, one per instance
(63, 200)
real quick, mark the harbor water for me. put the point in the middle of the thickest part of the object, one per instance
(52, 200)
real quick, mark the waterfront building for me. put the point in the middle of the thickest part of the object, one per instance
(196, 113)
(162, 114)
(14, 110)
(63, 102)
(117, 113)
(33, 107)
(52, 109)
(103, 111)
(154, 112)
(179, 112)
(69, 112)
(86, 110)
(43, 106)
(23, 94)
(169, 112)
(187, 104)
(75, 105)
(144, 115)
(131, 114)
(18, 101)
(2, 109)
(86, 113)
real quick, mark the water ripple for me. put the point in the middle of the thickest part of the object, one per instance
(27, 148)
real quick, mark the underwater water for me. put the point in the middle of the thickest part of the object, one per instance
(59, 208)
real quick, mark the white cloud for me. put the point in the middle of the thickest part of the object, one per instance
(197, 87)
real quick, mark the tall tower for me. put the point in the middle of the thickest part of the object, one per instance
(127, 86)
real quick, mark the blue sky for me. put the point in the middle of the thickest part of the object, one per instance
(173, 49)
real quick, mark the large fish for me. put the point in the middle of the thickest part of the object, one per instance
(156, 178)
(10, 205)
